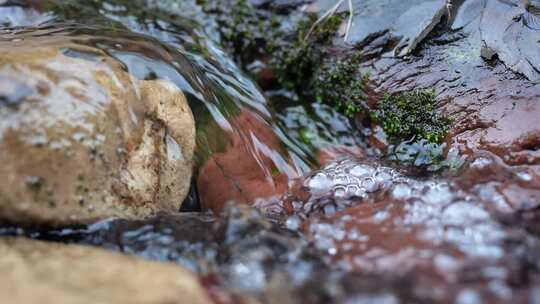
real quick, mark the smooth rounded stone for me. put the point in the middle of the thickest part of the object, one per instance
(81, 139)
(40, 272)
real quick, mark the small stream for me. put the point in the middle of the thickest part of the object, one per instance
(329, 221)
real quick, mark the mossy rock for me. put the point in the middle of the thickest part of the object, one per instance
(410, 115)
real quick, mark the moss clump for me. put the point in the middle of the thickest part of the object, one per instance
(295, 60)
(306, 66)
(339, 82)
(301, 59)
(412, 115)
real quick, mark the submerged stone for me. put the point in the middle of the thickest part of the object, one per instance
(235, 175)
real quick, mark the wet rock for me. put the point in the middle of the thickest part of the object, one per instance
(492, 107)
(509, 30)
(250, 169)
(35, 271)
(397, 26)
(242, 251)
(448, 232)
(81, 139)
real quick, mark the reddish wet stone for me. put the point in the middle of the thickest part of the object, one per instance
(462, 234)
(247, 171)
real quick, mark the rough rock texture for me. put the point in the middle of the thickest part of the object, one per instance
(401, 25)
(81, 139)
(510, 30)
(39, 272)
(507, 28)
(493, 108)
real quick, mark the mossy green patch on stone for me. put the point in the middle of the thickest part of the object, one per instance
(295, 60)
(300, 58)
(339, 82)
(412, 115)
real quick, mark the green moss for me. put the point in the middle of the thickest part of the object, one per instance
(295, 61)
(307, 66)
(306, 136)
(411, 115)
(339, 82)
(301, 59)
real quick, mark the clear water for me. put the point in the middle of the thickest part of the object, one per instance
(151, 45)
(350, 216)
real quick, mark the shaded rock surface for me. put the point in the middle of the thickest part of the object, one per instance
(507, 28)
(38, 272)
(510, 30)
(397, 26)
(82, 139)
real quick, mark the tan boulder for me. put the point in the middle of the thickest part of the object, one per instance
(40, 272)
(81, 139)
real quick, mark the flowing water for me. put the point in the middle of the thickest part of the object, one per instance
(150, 45)
(327, 229)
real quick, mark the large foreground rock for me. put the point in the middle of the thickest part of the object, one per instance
(39, 272)
(81, 139)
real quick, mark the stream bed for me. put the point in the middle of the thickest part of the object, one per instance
(291, 199)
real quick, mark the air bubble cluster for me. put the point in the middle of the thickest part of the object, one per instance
(345, 183)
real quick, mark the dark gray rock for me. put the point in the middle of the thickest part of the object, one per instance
(404, 23)
(508, 29)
